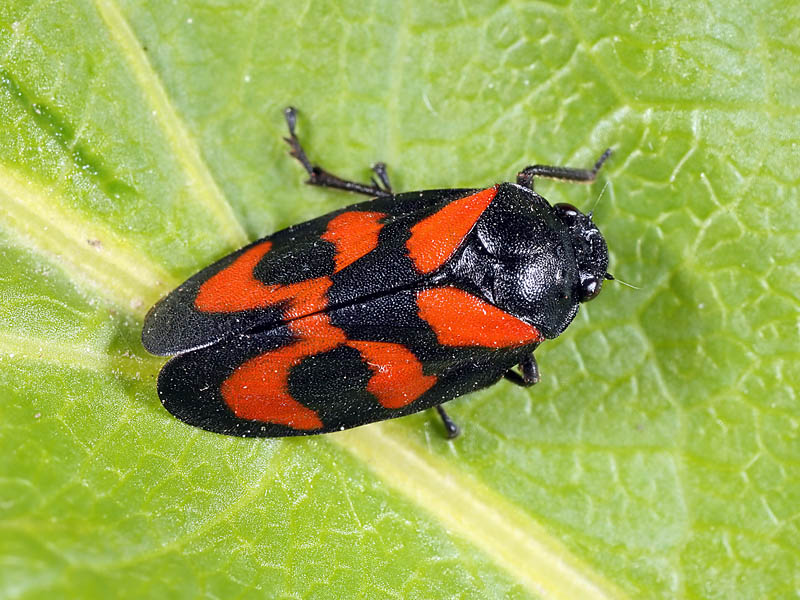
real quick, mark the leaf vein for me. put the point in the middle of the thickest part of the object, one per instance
(186, 152)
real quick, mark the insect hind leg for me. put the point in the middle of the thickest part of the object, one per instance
(320, 177)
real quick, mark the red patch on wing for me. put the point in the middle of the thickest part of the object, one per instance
(398, 379)
(434, 239)
(461, 319)
(259, 388)
(235, 289)
(354, 234)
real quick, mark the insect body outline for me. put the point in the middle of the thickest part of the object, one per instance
(377, 310)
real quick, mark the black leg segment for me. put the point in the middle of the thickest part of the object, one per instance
(319, 176)
(530, 372)
(525, 177)
(380, 170)
(451, 428)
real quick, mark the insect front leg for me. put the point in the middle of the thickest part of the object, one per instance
(530, 372)
(319, 176)
(525, 177)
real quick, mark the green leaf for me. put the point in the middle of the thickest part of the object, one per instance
(659, 457)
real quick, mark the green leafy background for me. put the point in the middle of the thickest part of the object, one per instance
(659, 457)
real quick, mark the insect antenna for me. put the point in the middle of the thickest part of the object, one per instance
(610, 277)
(596, 202)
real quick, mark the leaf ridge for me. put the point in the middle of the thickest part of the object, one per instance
(88, 251)
(77, 356)
(468, 509)
(186, 152)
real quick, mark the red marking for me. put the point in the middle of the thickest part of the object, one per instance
(434, 239)
(259, 388)
(461, 319)
(354, 234)
(398, 379)
(307, 297)
(235, 289)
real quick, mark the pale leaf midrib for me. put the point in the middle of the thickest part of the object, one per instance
(465, 507)
(76, 356)
(86, 250)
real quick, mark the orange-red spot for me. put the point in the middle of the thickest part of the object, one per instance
(461, 319)
(259, 388)
(307, 297)
(434, 239)
(235, 289)
(398, 379)
(354, 234)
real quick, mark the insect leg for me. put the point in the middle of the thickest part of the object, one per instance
(452, 429)
(530, 372)
(525, 177)
(380, 170)
(319, 176)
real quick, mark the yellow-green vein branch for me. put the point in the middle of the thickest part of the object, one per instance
(185, 150)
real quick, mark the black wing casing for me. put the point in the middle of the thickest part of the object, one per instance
(294, 272)
(358, 316)
(384, 358)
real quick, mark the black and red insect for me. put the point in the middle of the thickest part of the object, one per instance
(377, 310)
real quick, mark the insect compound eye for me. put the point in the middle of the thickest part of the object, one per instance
(589, 289)
(566, 211)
